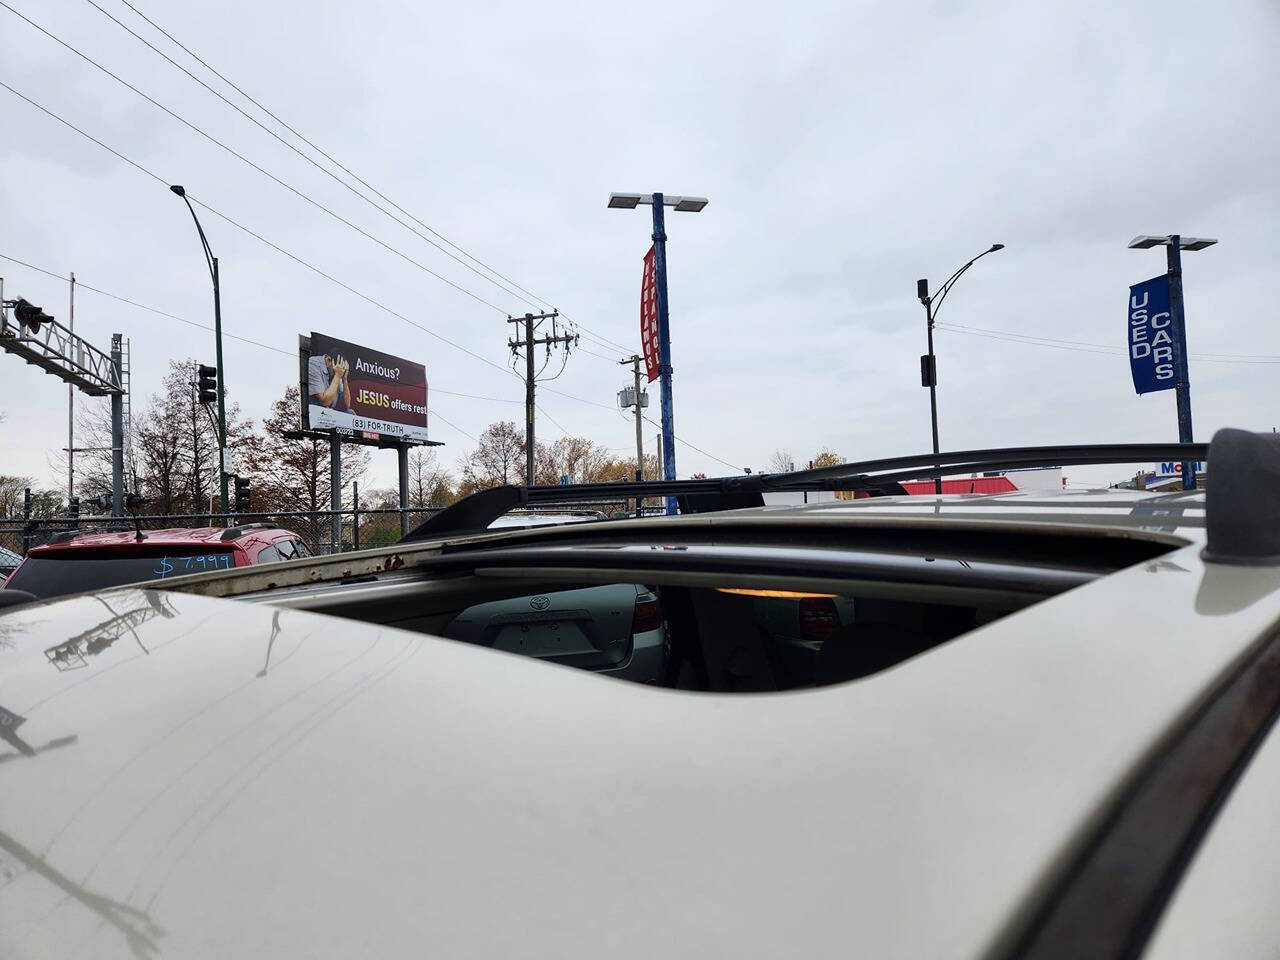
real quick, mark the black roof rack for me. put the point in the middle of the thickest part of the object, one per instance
(232, 532)
(877, 477)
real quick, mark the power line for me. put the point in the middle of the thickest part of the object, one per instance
(251, 233)
(265, 346)
(1107, 346)
(241, 157)
(589, 353)
(310, 266)
(540, 301)
(322, 152)
(691, 446)
(599, 337)
(239, 226)
(80, 284)
(557, 423)
(1098, 348)
(286, 143)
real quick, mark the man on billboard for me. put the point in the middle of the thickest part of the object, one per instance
(327, 382)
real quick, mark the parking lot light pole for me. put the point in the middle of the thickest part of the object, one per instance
(217, 335)
(629, 201)
(928, 363)
(1174, 245)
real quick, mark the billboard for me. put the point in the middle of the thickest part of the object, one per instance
(348, 387)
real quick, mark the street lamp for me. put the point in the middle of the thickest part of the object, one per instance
(1175, 244)
(217, 333)
(928, 363)
(629, 201)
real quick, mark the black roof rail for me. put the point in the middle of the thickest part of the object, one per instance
(878, 477)
(232, 533)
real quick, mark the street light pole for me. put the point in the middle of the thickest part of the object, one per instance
(217, 334)
(664, 346)
(930, 375)
(689, 205)
(929, 362)
(1182, 376)
(1175, 244)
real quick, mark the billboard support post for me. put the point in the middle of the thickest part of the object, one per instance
(335, 490)
(402, 456)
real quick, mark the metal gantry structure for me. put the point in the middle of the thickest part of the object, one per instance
(42, 341)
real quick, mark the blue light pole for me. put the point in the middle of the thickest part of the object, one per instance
(629, 201)
(1182, 377)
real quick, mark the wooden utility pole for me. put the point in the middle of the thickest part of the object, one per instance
(639, 397)
(639, 412)
(531, 322)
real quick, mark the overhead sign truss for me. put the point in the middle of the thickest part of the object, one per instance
(58, 351)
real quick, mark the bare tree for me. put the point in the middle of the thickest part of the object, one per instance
(430, 483)
(781, 462)
(11, 496)
(579, 459)
(497, 460)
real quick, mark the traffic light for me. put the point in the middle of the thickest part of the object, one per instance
(73, 508)
(242, 494)
(208, 384)
(29, 315)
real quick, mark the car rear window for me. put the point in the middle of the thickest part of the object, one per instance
(73, 571)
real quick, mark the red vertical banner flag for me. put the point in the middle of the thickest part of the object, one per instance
(649, 317)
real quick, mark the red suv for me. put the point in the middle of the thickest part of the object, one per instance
(92, 560)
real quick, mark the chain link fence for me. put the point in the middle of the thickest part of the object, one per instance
(358, 529)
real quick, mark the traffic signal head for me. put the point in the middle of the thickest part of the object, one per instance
(207, 385)
(29, 315)
(242, 494)
(73, 508)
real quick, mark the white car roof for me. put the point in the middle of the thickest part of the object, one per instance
(369, 791)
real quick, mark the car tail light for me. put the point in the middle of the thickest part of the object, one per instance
(818, 618)
(647, 617)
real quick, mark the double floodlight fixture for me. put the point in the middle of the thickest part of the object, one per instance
(1184, 243)
(629, 201)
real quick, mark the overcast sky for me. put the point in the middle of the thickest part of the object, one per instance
(847, 149)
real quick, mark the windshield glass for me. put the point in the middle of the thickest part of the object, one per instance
(73, 571)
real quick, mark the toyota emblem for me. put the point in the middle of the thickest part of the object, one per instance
(540, 603)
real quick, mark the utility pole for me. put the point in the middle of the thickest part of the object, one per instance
(639, 399)
(531, 323)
